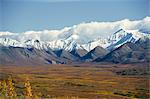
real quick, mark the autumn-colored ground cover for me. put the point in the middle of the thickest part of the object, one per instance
(92, 81)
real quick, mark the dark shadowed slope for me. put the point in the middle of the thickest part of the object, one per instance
(129, 53)
(67, 56)
(79, 52)
(95, 53)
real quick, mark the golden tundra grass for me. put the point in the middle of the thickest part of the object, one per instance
(8, 91)
(74, 82)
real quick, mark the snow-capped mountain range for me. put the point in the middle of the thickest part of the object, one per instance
(87, 36)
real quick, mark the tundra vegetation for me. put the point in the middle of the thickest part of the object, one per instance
(84, 81)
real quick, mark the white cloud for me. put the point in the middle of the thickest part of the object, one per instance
(85, 31)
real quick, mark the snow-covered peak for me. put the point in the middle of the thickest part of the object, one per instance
(123, 36)
(56, 44)
(117, 35)
(117, 39)
(136, 34)
(37, 44)
(85, 31)
(68, 44)
(94, 43)
(10, 42)
(82, 36)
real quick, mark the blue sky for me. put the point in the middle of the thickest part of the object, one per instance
(25, 15)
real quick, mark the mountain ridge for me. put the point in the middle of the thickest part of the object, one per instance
(71, 45)
(115, 40)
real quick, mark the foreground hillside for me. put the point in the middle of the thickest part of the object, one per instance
(88, 81)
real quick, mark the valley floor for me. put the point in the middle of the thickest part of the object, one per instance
(87, 81)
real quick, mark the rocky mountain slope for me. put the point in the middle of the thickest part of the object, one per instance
(129, 53)
(126, 42)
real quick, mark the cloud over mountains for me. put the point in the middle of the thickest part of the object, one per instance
(85, 31)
